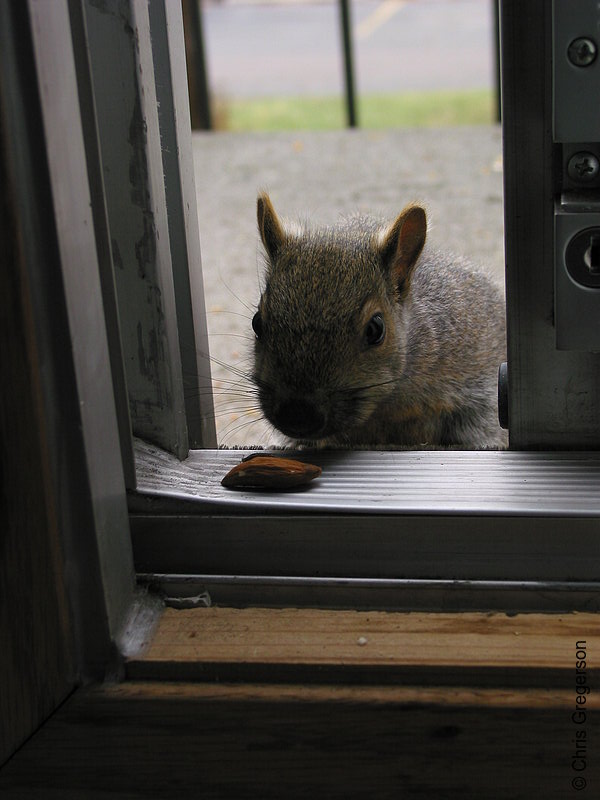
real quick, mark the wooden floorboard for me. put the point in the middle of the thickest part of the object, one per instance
(173, 741)
(311, 645)
(529, 731)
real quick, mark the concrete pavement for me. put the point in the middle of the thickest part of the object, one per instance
(294, 48)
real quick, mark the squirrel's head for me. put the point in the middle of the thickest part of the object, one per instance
(330, 325)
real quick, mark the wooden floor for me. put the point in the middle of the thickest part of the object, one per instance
(312, 645)
(511, 733)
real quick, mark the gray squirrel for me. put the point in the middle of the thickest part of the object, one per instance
(365, 337)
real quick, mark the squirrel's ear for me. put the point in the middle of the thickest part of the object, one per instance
(403, 242)
(269, 226)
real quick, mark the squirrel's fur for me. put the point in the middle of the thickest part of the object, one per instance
(366, 337)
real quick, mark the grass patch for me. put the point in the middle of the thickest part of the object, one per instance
(410, 109)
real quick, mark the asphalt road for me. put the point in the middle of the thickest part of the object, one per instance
(294, 48)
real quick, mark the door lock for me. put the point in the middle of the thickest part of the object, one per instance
(582, 258)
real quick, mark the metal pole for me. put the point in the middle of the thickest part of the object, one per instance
(196, 66)
(348, 63)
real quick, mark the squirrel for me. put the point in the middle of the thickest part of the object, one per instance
(365, 337)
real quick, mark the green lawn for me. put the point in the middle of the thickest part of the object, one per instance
(414, 109)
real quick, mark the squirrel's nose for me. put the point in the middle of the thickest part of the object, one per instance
(298, 418)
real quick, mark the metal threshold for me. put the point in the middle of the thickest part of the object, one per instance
(404, 529)
(428, 482)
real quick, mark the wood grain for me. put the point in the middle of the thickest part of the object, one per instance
(470, 649)
(173, 741)
(36, 664)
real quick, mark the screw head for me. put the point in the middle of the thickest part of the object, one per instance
(582, 51)
(583, 167)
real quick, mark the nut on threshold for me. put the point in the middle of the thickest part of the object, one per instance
(270, 472)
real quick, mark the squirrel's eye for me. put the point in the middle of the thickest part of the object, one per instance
(257, 326)
(375, 330)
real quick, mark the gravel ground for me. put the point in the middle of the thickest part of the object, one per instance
(456, 173)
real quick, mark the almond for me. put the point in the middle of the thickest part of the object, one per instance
(270, 472)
